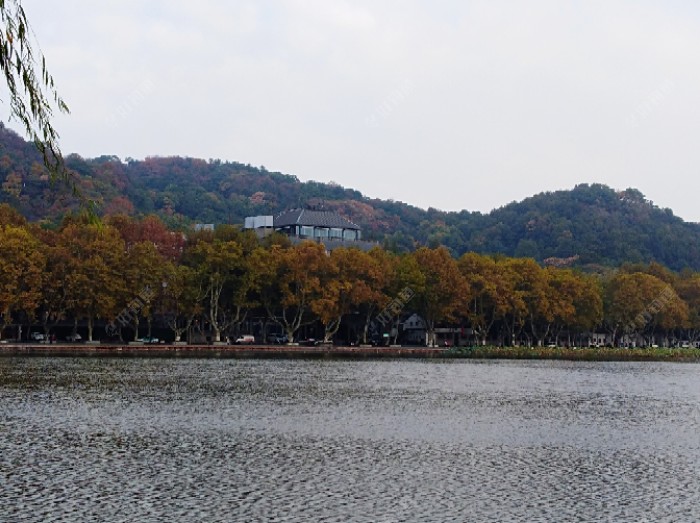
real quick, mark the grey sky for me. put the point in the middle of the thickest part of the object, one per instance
(444, 103)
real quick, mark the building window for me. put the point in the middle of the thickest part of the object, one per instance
(349, 234)
(305, 230)
(321, 232)
(336, 233)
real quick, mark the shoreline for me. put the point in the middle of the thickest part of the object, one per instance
(352, 353)
(219, 351)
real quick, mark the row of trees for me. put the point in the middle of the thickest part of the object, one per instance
(126, 272)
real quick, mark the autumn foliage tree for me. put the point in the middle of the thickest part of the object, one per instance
(21, 267)
(441, 292)
(637, 302)
(216, 264)
(688, 290)
(87, 275)
(142, 277)
(95, 279)
(292, 279)
(351, 278)
(489, 294)
(55, 294)
(151, 229)
(183, 294)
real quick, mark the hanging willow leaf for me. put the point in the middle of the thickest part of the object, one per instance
(30, 98)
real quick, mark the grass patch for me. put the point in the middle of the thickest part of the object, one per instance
(569, 353)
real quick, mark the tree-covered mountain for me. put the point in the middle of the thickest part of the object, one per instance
(590, 224)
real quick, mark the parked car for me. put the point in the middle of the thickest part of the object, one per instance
(148, 339)
(37, 336)
(74, 337)
(278, 339)
(246, 339)
(309, 342)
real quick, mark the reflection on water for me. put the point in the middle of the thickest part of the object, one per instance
(236, 440)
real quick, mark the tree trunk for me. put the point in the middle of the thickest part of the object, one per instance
(365, 330)
(180, 330)
(430, 327)
(396, 330)
(90, 322)
(136, 326)
(331, 329)
(290, 334)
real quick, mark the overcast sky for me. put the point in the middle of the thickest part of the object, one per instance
(453, 104)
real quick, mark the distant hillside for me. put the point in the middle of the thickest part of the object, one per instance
(590, 224)
(595, 224)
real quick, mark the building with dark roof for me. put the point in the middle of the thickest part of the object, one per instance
(310, 224)
(327, 227)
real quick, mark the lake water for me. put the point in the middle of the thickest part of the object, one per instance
(140, 440)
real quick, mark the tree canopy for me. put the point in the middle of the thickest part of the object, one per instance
(126, 275)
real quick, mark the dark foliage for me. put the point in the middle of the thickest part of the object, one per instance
(588, 225)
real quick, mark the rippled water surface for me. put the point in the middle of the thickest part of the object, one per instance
(252, 440)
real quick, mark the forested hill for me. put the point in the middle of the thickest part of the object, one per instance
(595, 224)
(590, 224)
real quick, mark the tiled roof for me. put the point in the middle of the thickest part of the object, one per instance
(314, 219)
